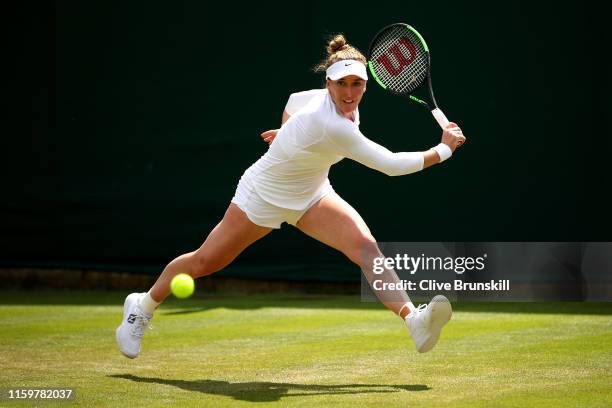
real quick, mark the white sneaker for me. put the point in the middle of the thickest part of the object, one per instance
(130, 331)
(425, 323)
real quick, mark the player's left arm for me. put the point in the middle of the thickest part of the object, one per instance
(353, 144)
(452, 136)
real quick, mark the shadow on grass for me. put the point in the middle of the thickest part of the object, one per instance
(270, 391)
(205, 301)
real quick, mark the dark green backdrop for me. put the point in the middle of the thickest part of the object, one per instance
(145, 114)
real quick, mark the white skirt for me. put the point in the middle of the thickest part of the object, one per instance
(264, 214)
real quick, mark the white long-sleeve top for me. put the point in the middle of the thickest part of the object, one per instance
(296, 166)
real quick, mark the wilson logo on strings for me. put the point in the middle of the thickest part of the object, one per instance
(400, 60)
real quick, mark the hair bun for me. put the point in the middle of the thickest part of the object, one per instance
(338, 50)
(336, 44)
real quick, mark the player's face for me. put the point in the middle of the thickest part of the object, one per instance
(347, 92)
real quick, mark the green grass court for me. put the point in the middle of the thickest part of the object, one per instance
(306, 351)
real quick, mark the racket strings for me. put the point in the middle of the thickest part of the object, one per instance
(399, 59)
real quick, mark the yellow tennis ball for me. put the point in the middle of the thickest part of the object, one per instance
(182, 286)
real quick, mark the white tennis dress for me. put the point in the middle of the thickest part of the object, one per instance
(292, 175)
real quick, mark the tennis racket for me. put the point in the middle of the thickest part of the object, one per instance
(400, 63)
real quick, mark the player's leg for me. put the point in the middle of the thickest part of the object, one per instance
(335, 223)
(225, 242)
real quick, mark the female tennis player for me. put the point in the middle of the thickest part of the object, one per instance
(290, 184)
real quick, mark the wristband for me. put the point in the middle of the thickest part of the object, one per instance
(443, 151)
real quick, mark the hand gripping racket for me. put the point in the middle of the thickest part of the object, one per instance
(399, 61)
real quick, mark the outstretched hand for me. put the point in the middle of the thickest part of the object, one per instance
(452, 136)
(269, 135)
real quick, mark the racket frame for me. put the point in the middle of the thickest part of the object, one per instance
(436, 111)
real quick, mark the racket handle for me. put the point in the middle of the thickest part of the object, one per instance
(440, 117)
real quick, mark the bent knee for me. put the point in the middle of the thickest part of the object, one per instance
(202, 265)
(363, 250)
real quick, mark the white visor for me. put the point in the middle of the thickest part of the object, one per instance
(347, 67)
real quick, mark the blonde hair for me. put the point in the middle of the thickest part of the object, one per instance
(337, 50)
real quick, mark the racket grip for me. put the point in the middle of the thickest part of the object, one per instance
(440, 117)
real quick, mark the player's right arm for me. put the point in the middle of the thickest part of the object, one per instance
(285, 117)
(296, 102)
(269, 135)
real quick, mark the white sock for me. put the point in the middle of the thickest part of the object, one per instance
(410, 307)
(147, 304)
